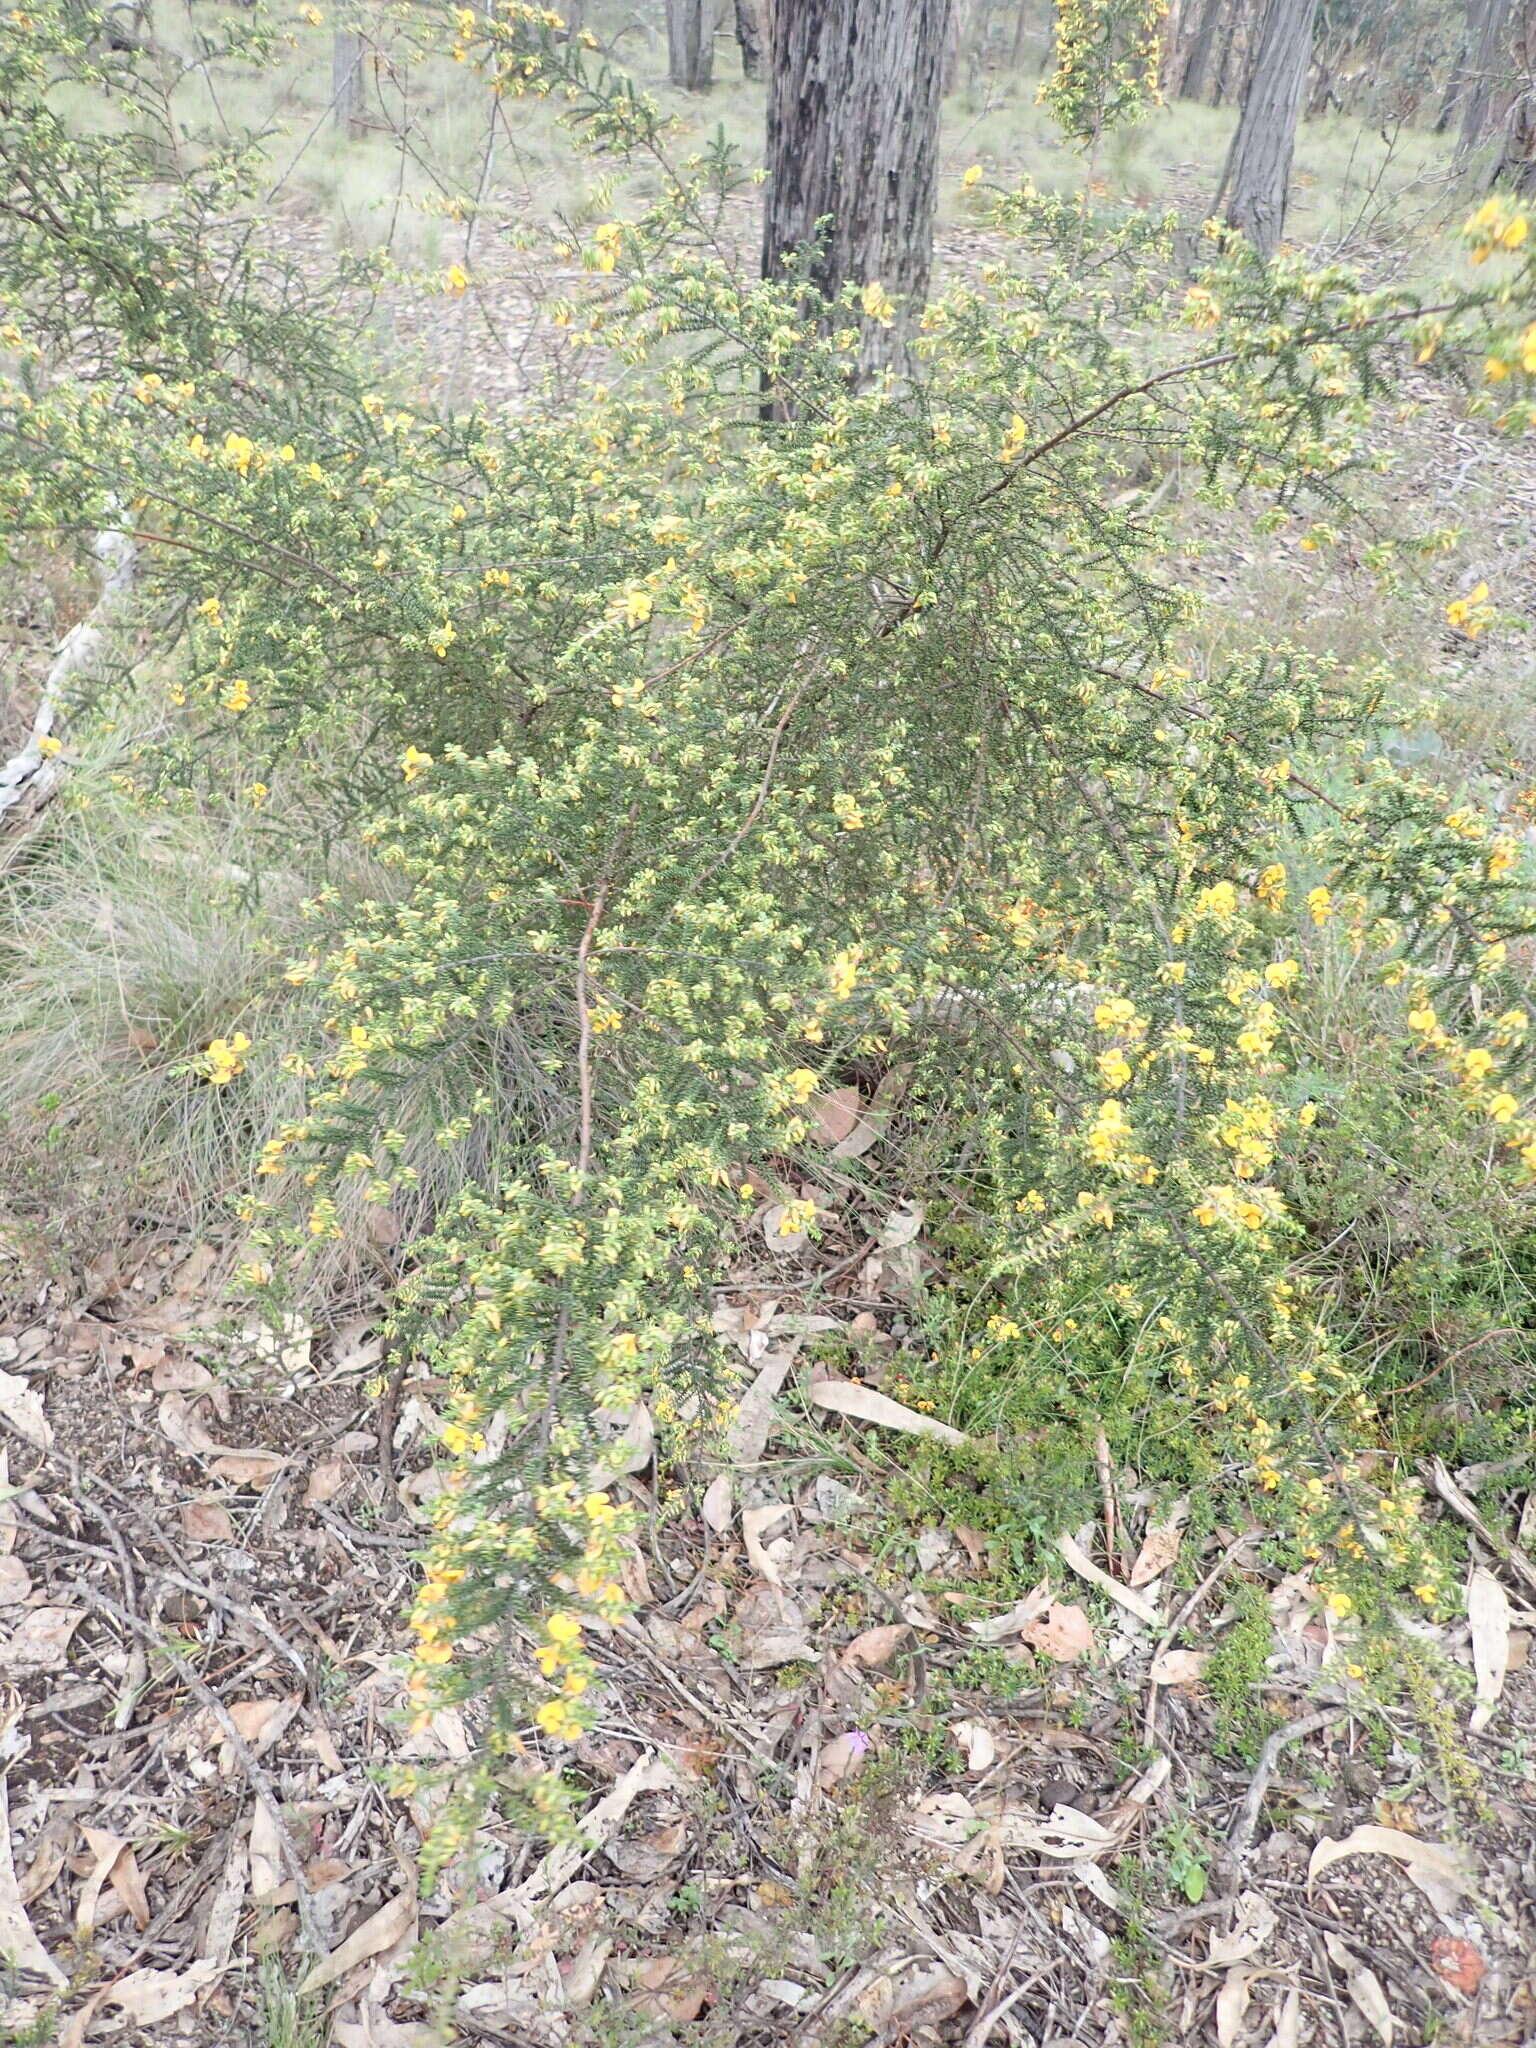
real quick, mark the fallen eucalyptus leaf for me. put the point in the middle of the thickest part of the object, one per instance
(864, 1404)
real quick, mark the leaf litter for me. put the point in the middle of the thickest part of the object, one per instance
(797, 1688)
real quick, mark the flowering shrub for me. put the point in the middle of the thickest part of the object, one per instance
(1107, 54)
(718, 762)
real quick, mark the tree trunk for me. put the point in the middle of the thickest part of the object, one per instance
(1517, 164)
(1226, 71)
(1256, 182)
(691, 44)
(956, 31)
(749, 36)
(1456, 84)
(1020, 31)
(1198, 61)
(347, 80)
(1484, 69)
(853, 123)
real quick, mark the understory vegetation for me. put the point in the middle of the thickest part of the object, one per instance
(515, 859)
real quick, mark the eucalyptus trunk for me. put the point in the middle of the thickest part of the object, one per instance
(1486, 67)
(1255, 185)
(1517, 163)
(853, 129)
(347, 80)
(691, 44)
(1197, 61)
(750, 37)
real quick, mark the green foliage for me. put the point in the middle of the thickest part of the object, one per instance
(1235, 1675)
(715, 759)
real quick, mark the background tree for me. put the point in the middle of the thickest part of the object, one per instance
(1201, 26)
(751, 36)
(1517, 164)
(1255, 185)
(1484, 67)
(853, 119)
(347, 80)
(691, 44)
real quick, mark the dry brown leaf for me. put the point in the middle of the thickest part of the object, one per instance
(1232, 2006)
(19, 1945)
(835, 1114)
(716, 1508)
(380, 1931)
(77, 2027)
(976, 1744)
(1160, 1546)
(1371, 2001)
(15, 1582)
(266, 1853)
(149, 1996)
(747, 1436)
(261, 1723)
(21, 1408)
(875, 1646)
(326, 1481)
(996, 1628)
(247, 1468)
(1084, 1566)
(902, 1226)
(1254, 1924)
(40, 1641)
(111, 1856)
(1488, 1612)
(842, 1758)
(1066, 1835)
(49, 1852)
(202, 1521)
(180, 1376)
(1457, 1963)
(1439, 1872)
(864, 1404)
(667, 1991)
(755, 1524)
(876, 1119)
(1062, 1633)
(901, 2002)
(217, 1944)
(1287, 2032)
(1179, 1667)
(182, 1425)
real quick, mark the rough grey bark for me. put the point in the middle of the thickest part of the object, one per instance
(853, 129)
(750, 37)
(1197, 61)
(1456, 84)
(1517, 162)
(1229, 71)
(956, 36)
(1485, 68)
(691, 44)
(347, 80)
(1256, 182)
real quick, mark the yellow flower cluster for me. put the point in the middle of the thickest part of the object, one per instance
(1470, 614)
(224, 1058)
(1496, 226)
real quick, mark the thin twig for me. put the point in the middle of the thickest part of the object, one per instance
(1248, 1813)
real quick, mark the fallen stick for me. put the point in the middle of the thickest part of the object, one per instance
(34, 771)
